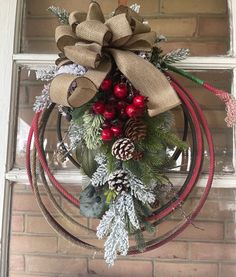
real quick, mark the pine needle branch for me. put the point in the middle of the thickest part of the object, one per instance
(92, 126)
(60, 13)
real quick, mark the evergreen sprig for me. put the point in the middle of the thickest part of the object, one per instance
(60, 13)
(159, 59)
(92, 126)
(176, 55)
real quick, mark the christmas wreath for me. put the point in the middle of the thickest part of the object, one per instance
(114, 87)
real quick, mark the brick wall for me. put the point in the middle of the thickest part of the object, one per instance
(200, 25)
(210, 249)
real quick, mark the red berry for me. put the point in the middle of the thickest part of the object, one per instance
(112, 100)
(109, 113)
(121, 105)
(139, 101)
(121, 91)
(106, 84)
(106, 125)
(123, 114)
(107, 134)
(117, 131)
(99, 107)
(131, 111)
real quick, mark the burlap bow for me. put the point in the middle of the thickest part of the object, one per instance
(92, 42)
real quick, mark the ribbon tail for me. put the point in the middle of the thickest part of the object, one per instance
(86, 87)
(150, 81)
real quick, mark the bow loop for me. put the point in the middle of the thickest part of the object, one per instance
(129, 12)
(89, 55)
(76, 18)
(120, 28)
(94, 31)
(64, 36)
(95, 12)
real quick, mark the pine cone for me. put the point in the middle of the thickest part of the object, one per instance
(135, 129)
(137, 156)
(123, 149)
(118, 181)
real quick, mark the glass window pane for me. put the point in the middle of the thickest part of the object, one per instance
(29, 88)
(215, 113)
(202, 27)
(213, 108)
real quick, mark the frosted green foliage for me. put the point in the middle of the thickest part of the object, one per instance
(60, 13)
(92, 126)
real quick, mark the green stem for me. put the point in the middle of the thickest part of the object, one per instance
(185, 74)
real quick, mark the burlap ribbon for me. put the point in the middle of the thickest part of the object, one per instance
(94, 43)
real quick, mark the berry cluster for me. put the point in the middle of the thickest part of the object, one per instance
(117, 102)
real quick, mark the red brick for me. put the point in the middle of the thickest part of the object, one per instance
(193, 6)
(230, 230)
(121, 268)
(27, 203)
(17, 263)
(24, 202)
(17, 223)
(213, 27)
(217, 209)
(228, 270)
(40, 8)
(205, 230)
(213, 251)
(174, 27)
(186, 269)
(171, 250)
(56, 265)
(38, 225)
(64, 247)
(33, 244)
(13, 274)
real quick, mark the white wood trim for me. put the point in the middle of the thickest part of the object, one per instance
(76, 178)
(232, 23)
(221, 62)
(7, 36)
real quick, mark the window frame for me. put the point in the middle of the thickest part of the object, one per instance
(11, 17)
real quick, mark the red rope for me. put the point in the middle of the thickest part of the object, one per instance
(197, 167)
(172, 234)
(198, 119)
(34, 129)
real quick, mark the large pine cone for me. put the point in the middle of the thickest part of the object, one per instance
(135, 129)
(119, 181)
(123, 149)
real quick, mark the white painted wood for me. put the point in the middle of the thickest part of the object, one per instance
(7, 34)
(232, 20)
(75, 177)
(221, 62)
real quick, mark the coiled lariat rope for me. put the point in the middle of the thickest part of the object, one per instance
(198, 127)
